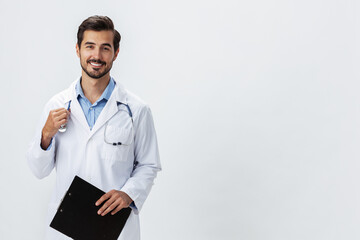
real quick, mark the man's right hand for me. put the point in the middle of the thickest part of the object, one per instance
(55, 119)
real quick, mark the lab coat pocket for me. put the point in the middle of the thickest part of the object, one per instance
(117, 143)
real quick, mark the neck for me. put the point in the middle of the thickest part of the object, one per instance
(93, 88)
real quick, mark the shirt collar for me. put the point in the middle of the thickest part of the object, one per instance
(105, 95)
(119, 94)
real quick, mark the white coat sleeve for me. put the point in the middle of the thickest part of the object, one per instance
(41, 162)
(147, 161)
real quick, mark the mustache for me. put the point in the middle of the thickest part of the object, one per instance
(96, 61)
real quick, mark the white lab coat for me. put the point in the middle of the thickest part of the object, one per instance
(83, 152)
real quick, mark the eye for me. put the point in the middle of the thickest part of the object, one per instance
(89, 46)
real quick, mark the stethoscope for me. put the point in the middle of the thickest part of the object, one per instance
(63, 127)
(132, 129)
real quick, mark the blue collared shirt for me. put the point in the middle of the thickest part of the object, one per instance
(92, 111)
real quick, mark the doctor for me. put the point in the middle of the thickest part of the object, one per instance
(109, 141)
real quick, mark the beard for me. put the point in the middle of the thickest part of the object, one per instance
(96, 74)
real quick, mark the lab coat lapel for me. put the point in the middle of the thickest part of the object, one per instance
(78, 114)
(76, 110)
(111, 108)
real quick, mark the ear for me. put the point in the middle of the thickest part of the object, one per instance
(77, 50)
(116, 53)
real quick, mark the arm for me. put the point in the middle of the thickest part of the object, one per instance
(147, 164)
(41, 155)
(147, 160)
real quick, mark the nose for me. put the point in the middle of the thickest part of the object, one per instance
(96, 53)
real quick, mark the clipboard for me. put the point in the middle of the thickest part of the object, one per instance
(77, 215)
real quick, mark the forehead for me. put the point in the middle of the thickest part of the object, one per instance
(98, 37)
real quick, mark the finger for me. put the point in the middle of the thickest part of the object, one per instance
(55, 117)
(118, 208)
(60, 119)
(103, 198)
(56, 112)
(60, 116)
(106, 205)
(62, 122)
(59, 110)
(110, 208)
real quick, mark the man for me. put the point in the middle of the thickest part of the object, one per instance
(109, 138)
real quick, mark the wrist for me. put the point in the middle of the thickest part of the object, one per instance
(46, 135)
(45, 139)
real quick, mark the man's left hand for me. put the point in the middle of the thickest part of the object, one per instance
(114, 202)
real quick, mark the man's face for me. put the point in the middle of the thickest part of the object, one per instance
(97, 53)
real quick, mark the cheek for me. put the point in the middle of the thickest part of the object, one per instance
(84, 58)
(84, 55)
(110, 58)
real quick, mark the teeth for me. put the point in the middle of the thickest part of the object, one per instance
(95, 64)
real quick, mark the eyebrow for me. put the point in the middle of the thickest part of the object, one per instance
(104, 44)
(107, 44)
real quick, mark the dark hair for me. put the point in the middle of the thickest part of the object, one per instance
(98, 23)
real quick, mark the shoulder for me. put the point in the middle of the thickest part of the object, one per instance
(138, 106)
(60, 99)
(135, 100)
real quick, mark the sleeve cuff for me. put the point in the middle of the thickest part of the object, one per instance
(133, 207)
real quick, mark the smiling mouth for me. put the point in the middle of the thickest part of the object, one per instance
(96, 64)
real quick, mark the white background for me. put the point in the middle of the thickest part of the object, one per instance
(256, 106)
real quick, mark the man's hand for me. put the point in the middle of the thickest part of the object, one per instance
(114, 201)
(55, 119)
